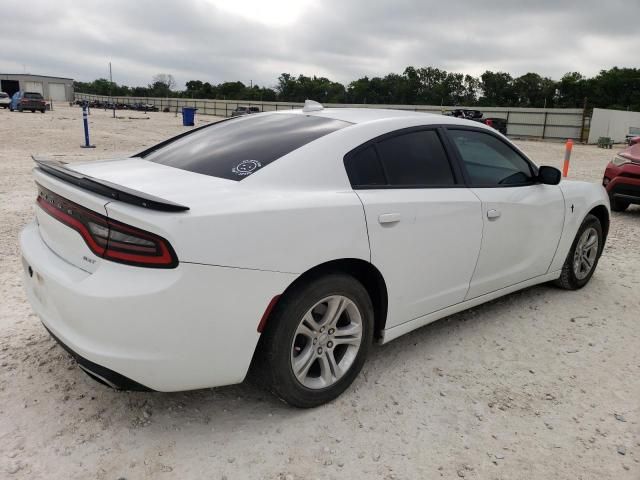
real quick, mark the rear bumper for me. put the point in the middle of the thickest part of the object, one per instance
(101, 374)
(31, 106)
(624, 182)
(185, 328)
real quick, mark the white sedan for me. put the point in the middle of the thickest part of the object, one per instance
(286, 243)
(5, 100)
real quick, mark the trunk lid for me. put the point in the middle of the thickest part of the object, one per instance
(67, 243)
(173, 184)
(131, 176)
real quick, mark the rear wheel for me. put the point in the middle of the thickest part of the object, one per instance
(583, 257)
(618, 205)
(316, 341)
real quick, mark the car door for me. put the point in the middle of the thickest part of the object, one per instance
(424, 226)
(523, 219)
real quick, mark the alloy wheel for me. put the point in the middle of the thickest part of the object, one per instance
(586, 253)
(326, 342)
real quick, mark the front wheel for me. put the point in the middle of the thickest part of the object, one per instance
(618, 205)
(583, 257)
(317, 340)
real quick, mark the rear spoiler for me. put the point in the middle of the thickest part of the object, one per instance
(105, 188)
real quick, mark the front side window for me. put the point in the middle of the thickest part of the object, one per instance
(489, 161)
(236, 148)
(412, 159)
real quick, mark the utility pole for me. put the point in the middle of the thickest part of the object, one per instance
(113, 105)
(584, 121)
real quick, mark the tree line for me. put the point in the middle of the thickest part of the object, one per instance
(617, 88)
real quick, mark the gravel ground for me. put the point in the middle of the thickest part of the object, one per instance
(540, 384)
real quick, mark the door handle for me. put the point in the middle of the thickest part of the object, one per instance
(493, 214)
(389, 218)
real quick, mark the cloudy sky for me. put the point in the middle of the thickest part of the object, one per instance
(225, 40)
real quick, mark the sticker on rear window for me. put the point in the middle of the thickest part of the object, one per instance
(246, 167)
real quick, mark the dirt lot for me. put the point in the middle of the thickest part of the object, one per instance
(540, 384)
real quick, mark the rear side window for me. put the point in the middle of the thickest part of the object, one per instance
(489, 161)
(416, 158)
(236, 148)
(365, 169)
(413, 159)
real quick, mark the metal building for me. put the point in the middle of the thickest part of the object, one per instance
(57, 89)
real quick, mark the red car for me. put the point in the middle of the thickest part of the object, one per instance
(622, 177)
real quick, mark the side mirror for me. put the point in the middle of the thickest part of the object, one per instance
(549, 175)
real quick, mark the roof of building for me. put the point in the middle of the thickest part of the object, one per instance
(33, 75)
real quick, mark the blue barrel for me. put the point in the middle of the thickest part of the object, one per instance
(188, 116)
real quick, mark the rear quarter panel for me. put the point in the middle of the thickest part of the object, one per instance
(277, 230)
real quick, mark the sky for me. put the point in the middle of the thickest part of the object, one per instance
(257, 40)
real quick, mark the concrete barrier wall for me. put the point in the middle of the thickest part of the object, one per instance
(551, 123)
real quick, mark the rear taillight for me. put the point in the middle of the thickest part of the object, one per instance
(108, 238)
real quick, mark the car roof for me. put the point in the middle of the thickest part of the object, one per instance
(365, 115)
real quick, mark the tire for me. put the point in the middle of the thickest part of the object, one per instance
(33, 111)
(42, 111)
(575, 275)
(299, 329)
(618, 205)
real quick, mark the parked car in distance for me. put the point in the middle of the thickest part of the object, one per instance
(22, 101)
(143, 107)
(622, 178)
(467, 113)
(632, 140)
(498, 123)
(239, 111)
(285, 243)
(5, 100)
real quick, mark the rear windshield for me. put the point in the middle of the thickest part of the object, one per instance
(236, 148)
(32, 95)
